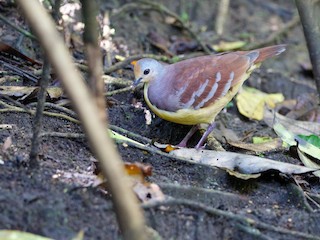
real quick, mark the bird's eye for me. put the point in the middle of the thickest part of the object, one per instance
(146, 72)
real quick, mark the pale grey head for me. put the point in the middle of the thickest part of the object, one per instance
(146, 69)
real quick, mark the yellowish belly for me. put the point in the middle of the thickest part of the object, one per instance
(192, 116)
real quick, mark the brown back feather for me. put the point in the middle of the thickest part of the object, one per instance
(267, 52)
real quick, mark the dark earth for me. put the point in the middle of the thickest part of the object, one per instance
(41, 201)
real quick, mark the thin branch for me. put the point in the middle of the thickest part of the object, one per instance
(58, 108)
(19, 29)
(129, 215)
(93, 55)
(229, 215)
(32, 112)
(37, 123)
(309, 11)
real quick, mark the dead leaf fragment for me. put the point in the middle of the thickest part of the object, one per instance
(138, 169)
(228, 46)
(147, 113)
(7, 144)
(258, 147)
(148, 192)
(24, 93)
(136, 173)
(245, 164)
(54, 92)
(251, 102)
(308, 162)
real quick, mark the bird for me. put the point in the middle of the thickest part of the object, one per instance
(194, 91)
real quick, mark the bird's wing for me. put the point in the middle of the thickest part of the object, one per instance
(200, 82)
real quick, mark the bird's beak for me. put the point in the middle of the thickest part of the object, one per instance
(136, 82)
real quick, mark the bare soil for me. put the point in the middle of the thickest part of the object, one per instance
(41, 202)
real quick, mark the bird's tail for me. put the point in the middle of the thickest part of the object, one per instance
(259, 55)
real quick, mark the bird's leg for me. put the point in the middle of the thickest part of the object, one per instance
(205, 135)
(192, 131)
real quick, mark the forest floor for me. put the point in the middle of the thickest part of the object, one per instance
(54, 200)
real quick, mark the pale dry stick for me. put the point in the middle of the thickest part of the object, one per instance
(22, 108)
(63, 135)
(32, 112)
(8, 106)
(15, 102)
(121, 90)
(57, 107)
(130, 217)
(119, 81)
(130, 134)
(222, 16)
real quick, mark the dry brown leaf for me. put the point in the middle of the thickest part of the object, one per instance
(136, 173)
(258, 147)
(24, 93)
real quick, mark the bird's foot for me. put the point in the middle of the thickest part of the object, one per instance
(200, 144)
(185, 140)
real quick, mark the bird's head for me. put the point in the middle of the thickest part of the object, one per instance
(145, 70)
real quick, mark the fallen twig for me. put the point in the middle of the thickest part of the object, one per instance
(121, 90)
(10, 108)
(57, 107)
(229, 215)
(19, 29)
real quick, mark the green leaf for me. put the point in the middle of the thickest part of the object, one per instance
(184, 17)
(313, 139)
(19, 235)
(257, 140)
